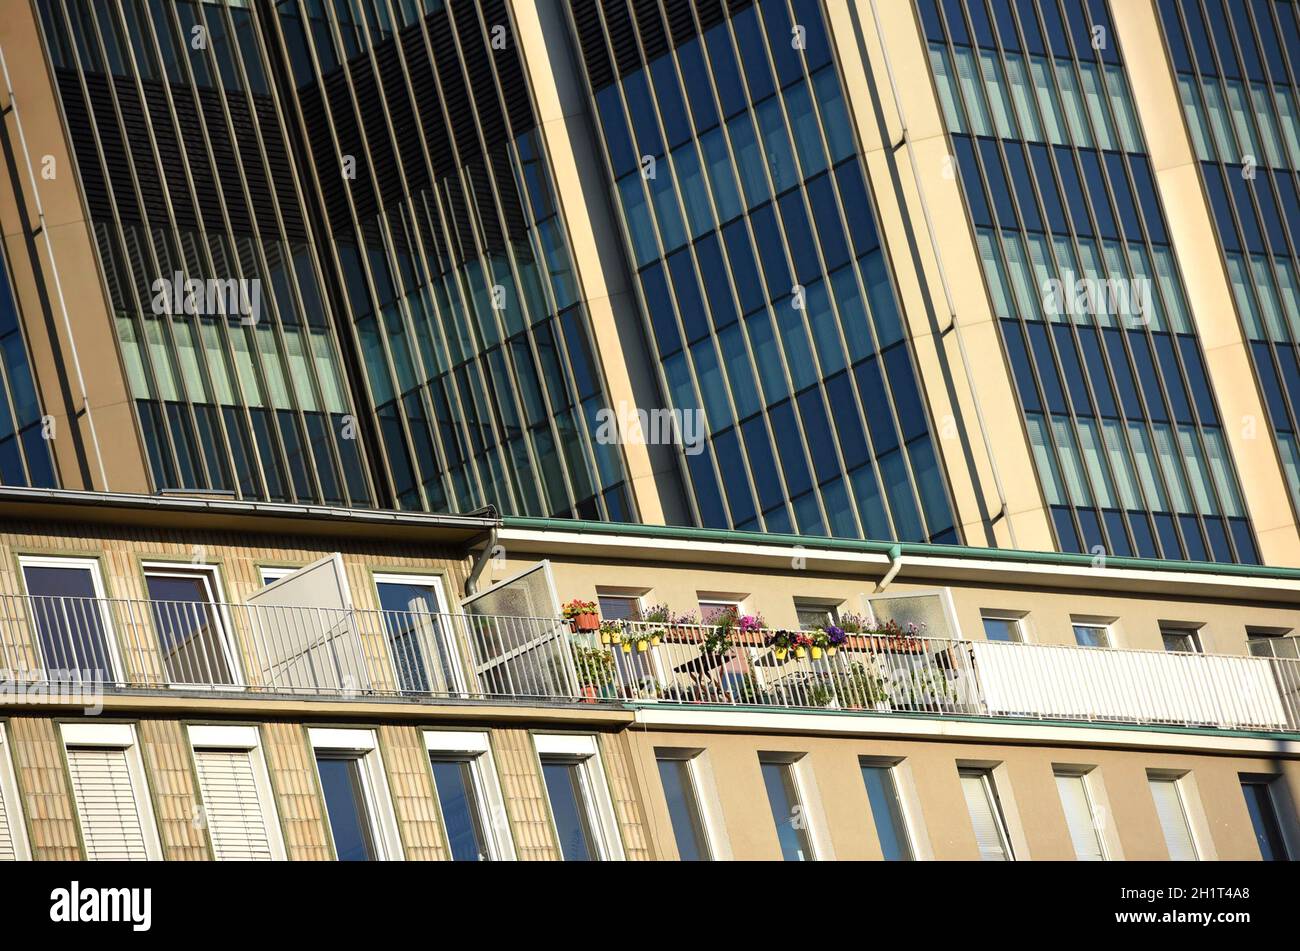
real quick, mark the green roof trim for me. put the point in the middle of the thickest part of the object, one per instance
(893, 549)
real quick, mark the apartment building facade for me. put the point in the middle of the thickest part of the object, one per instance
(909, 387)
(293, 683)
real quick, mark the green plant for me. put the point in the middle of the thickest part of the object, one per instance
(819, 695)
(611, 632)
(927, 687)
(594, 665)
(863, 686)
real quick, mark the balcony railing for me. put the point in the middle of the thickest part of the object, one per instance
(303, 651)
(128, 645)
(672, 663)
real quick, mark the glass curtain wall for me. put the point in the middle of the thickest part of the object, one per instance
(1081, 275)
(768, 300)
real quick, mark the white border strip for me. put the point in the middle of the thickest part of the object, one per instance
(960, 730)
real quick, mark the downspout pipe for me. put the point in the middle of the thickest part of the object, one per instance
(895, 566)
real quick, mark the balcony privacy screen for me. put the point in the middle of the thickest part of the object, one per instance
(518, 645)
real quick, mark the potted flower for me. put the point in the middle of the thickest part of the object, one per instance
(595, 668)
(836, 637)
(641, 637)
(680, 627)
(610, 632)
(656, 617)
(720, 638)
(749, 627)
(780, 642)
(801, 642)
(820, 641)
(582, 615)
(853, 623)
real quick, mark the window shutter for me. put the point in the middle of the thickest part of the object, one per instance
(1078, 817)
(110, 821)
(1173, 820)
(231, 806)
(7, 853)
(984, 818)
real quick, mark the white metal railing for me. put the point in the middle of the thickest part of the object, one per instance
(115, 644)
(915, 674)
(329, 652)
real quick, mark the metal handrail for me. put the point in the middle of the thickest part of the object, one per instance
(124, 644)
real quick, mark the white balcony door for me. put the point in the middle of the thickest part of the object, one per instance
(420, 633)
(73, 629)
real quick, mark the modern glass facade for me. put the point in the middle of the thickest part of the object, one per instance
(25, 457)
(375, 166)
(1117, 405)
(767, 294)
(1237, 66)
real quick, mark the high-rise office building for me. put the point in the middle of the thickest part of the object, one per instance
(889, 413)
(896, 271)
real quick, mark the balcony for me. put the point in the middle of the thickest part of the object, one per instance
(123, 646)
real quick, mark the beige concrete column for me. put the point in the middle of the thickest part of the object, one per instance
(1196, 244)
(49, 344)
(912, 249)
(580, 182)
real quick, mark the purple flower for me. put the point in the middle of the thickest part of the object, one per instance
(836, 636)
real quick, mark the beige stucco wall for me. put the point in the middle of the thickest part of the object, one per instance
(831, 775)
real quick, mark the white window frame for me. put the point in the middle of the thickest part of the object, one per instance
(1191, 631)
(1015, 618)
(13, 805)
(584, 751)
(819, 842)
(118, 673)
(1107, 626)
(706, 796)
(364, 747)
(246, 738)
(1084, 774)
(829, 605)
(217, 599)
(996, 805)
(1269, 636)
(476, 748)
(119, 736)
(1193, 816)
(270, 574)
(905, 796)
(445, 631)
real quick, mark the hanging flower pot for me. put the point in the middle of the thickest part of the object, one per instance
(800, 653)
(780, 652)
(604, 637)
(609, 633)
(830, 651)
(582, 615)
(816, 652)
(655, 639)
(642, 646)
(627, 647)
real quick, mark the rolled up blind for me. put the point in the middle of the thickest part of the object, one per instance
(1173, 820)
(984, 817)
(106, 805)
(231, 806)
(7, 853)
(1078, 817)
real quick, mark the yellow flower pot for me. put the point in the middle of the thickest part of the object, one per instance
(627, 648)
(604, 637)
(830, 651)
(800, 652)
(642, 646)
(816, 653)
(780, 653)
(654, 641)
